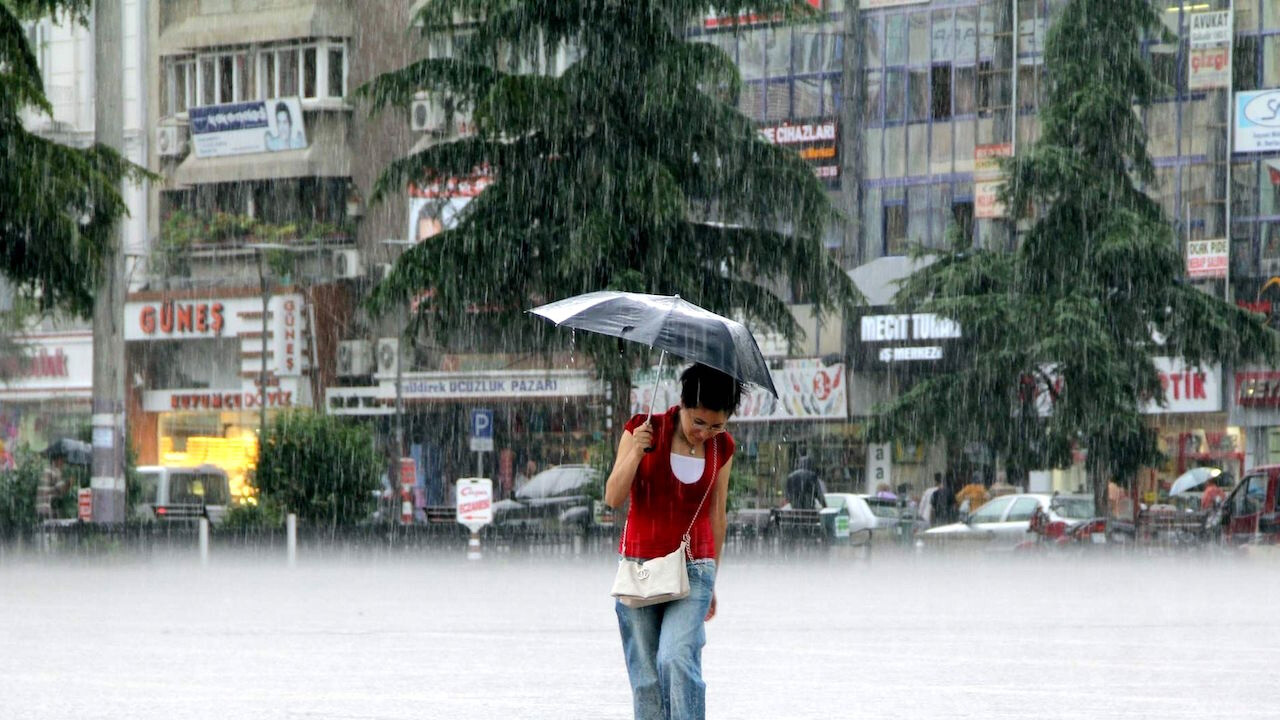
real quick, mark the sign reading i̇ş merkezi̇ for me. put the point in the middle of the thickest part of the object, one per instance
(258, 126)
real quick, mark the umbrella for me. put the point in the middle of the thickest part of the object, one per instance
(74, 452)
(670, 325)
(1192, 479)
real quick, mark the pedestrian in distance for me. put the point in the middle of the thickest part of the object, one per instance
(674, 468)
(926, 502)
(803, 487)
(52, 486)
(944, 502)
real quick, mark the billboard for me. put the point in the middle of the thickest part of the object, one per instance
(1257, 121)
(1210, 28)
(987, 179)
(1207, 258)
(438, 206)
(807, 390)
(246, 128)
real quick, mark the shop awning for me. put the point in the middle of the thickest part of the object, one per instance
(878, 279)
(310, 20)
(311, 162)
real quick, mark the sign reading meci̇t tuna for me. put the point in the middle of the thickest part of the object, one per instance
(245, 128)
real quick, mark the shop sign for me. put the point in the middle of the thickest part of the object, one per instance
(286, 336)
(1210, 68)
(214, 400)
(816, 141)
(1207, 258)
(1210, 28)
(49, 365)
(1187, 389)
(174, 319)
(915, 337)
(1258, 389)
(878, 4)
(879, 466)
(247, 128)
(1257, 121)
(475, 502)
(807, 390)
(987, 179)
(513, 385)
(718, 20)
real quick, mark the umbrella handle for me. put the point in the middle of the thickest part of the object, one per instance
(653, 397)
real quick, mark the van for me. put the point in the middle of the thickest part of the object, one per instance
(178, 494)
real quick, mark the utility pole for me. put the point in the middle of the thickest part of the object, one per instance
(107, 476)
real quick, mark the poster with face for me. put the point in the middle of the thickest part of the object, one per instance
(440, 206)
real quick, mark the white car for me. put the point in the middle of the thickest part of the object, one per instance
(878, 515)
(1003, 522)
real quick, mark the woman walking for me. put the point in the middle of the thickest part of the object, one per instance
(681, 485)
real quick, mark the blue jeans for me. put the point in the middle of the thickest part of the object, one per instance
(663, 647)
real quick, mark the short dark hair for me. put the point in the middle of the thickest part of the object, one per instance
(705, 387)
(283, 107)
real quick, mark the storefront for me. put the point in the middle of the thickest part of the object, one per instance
(540, 418)
(810, 417)
(1255, 408)
(196, 364)
(1193, 427)
(48, 391)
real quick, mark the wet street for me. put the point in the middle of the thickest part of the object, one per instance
(1189, 637)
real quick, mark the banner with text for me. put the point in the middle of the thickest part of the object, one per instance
(806, 392)
(816, 141)
(1207, 258)
(987, 179)
(249, 127)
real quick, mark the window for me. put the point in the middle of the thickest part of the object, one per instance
(1023, 509)
(966, 89)
(778, 51)
(1250, 497)
(895, 229)
(1244, 62)
(226, 79)
(895, 96)
(208, 82)
(874, 92)
(287, 84)
(310, 84)
(180, 87)
(983, 86)
(918, 90)
(337, 72)
(940, 105)
(962, 217)
(992, 512)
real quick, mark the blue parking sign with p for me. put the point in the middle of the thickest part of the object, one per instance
(481, 423)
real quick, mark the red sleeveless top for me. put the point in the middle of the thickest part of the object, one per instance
(662, 506)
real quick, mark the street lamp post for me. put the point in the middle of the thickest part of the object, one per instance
(399, 363)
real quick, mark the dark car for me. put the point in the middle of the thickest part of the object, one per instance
(557, 498)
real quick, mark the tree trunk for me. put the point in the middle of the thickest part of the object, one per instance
(1098, 480)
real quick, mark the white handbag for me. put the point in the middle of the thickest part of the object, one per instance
(661, 579)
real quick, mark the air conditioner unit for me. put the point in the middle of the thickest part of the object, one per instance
(383, 270)
(428, 115)
(355, 357)
(388, 355)
(171, 140)
(346, 264)
(439, 114)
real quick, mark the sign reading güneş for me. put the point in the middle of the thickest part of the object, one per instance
(258, 126)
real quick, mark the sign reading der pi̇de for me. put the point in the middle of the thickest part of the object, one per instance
(245, 128)
(475, 502)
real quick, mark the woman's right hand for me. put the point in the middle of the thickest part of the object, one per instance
(642, 439)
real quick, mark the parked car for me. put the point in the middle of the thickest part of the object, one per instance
(1003, 523)
(1250, 510)
(183, 494)
(554, 499)
(883, 517)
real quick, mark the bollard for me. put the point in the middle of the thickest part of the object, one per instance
(473, 547)
(204, 541)
(577, 545)
(291, 538)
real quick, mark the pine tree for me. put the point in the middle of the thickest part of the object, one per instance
(1064, 330)
(58, 204)
(633, 170)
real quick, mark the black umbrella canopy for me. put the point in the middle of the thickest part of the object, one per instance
(667, 323)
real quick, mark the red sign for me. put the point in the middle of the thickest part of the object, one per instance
(174, 318)
(718, 21)
(1258, 389)
(84, 504)
(41, 365)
